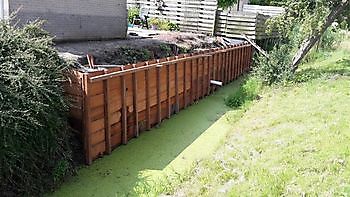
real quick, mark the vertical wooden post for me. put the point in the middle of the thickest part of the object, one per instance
(237, 62)
(124, 110)
(168, 91)
(215, 67)
(231, 65)
(135, 105)
(177, 100)
(223, 67)
(209, 60)
(203, 77)
(159, 104)
(184, 85)
(148, 105)
(192, 88)
(228, 66)
(106, 95)
(86, 120)
(197, 77)
(245, 59)
(242, 60)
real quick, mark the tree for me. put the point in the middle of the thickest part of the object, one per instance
(310, 41)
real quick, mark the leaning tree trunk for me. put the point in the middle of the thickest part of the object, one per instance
(316, 36)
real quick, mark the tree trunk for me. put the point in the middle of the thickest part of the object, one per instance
(316, 36)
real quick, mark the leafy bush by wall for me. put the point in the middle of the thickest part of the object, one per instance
(34, 141)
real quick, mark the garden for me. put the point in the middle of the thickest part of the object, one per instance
(281, 129)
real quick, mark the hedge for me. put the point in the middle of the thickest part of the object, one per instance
(35, 154)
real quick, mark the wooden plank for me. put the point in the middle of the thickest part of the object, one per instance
(177, 100)
(223, 67)
(107, 112)
(136, 105)
(159, 104)
(236, 63)
(203, 77)
(168, 91)
(184, 84)
(197, 78)
(192, 84)
(229, 58)
(124, 111)
(148, 105)
(86, 121)
(209, 73)
(242, 61)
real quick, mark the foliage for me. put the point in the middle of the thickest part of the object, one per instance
(163, 24)
(34, 150)
(332, 38)
(275, 68)
(226, 3)
(249, 91)
(300, 21)
(281, 145)
(134, 55)
(133, 13)
(267, 2)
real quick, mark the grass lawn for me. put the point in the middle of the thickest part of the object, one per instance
(294, 141)
(193, 134)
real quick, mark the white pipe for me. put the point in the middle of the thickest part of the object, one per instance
(218, 83)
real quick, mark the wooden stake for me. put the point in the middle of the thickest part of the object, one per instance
(168, 91)
(86, 121)
(106, 116)
(177, 100)
(148, 105)
(184, 84)
(135, 105)
(159, 104)
(124, 112)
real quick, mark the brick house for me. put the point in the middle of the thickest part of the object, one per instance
(72, 19)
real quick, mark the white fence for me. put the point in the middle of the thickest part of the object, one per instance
(266, 10)
(204, 16)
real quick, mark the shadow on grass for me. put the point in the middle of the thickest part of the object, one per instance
(119, 173)
(339, 68)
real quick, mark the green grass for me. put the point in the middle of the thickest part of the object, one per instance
(294, 141)
(193, 134)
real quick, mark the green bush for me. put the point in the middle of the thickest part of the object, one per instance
(133, 13)
(276, 68)
(249, 91)
(331, 38)
(34, 151)
(163, 24)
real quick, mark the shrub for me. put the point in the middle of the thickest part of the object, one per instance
(276, 68)
(34, 149)
(163, 24)
(133, 13)
(249, 91)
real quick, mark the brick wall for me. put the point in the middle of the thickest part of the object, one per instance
(75, 19)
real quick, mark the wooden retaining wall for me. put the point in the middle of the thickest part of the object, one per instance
(113, 106)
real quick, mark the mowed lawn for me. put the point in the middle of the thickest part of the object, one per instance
(294, 141)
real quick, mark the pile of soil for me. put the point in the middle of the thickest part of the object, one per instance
(132, 50)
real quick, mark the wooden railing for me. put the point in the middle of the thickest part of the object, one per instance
(111, 107)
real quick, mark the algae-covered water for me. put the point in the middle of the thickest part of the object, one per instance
(193, 134)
